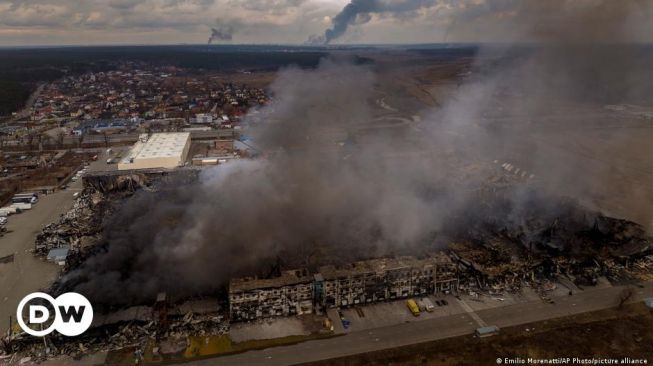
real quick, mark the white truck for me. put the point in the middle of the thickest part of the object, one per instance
(427, 304)
(31, 198)
(8, 210)
(22, 206)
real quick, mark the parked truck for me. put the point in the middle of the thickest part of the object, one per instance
(22, 206)
(9, 210)
(427, 304)
(30, 198)
(412, 306)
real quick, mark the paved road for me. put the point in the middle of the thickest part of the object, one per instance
(429, 330)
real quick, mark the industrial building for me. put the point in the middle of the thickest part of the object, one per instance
(387, 279)
(298, 292)
(289, 294)
(160, 150)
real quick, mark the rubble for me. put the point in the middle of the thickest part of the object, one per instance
(130, 328)
(76, 228)
(504, 245)
(494, 248)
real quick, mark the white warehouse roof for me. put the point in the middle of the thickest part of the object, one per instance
(163, 145)
(161, 150)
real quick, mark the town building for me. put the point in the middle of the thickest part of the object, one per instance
(202, 118)
(160, 150)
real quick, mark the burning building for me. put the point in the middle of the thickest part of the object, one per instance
(386, 279)
(289, 294)
(297, 292)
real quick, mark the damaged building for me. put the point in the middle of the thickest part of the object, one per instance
(297, 292)
(386, 279)
(289, 294)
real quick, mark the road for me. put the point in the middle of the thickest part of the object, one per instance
(429, 330)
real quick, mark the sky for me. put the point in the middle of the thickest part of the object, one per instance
(93, 22)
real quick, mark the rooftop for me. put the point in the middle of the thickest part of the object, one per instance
(159, 145)
(58, 254)
(380, 266)
(287, 278)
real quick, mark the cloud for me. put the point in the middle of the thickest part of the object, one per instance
(289, 21)
(158, 21)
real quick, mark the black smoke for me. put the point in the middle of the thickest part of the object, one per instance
(310, 200)
(221, 32)
(359, 12)
(318, 193)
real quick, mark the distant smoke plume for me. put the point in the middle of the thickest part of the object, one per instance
(359, 12)
(507, 20)
(221, 32)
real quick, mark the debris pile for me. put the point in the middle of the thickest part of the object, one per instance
(76, 228)
(137, 327)
(503, 245)
(497, 245)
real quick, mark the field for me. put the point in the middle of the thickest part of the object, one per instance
(612, 333)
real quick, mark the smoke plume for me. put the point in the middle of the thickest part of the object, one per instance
(359, 12)
(548, 107)
(221, 32)
(309, 197)
(325, 191)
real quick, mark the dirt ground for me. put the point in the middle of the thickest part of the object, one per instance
(612, 333)
(259, 79)
(598, 154)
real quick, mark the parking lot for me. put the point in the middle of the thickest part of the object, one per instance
(24, 273)
(396, 312)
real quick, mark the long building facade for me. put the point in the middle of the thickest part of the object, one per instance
(289, 294)
(298, 292)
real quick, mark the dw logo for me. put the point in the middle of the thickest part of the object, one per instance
(73, 314)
